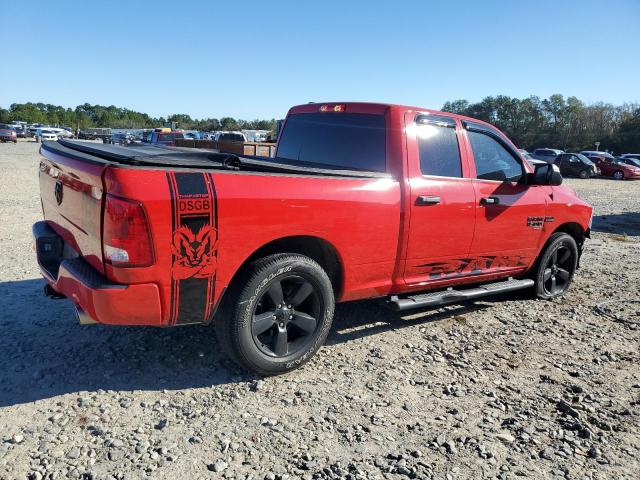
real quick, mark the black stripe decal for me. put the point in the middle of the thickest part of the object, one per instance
(194, 247)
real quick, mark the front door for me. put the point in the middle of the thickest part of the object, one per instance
(510, 215)
(442, 200)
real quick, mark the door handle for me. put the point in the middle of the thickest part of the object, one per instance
(489, 201)
(423, 200)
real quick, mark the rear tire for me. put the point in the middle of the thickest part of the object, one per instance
(556, 266)
(618, 175)
(278, 316)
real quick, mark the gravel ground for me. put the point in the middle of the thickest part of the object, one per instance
(504, 388)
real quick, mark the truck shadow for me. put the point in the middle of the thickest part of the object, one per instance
(46, 353)
(627, 223)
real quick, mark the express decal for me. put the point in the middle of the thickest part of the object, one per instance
(471, 266)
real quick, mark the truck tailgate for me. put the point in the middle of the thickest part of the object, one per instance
(71, 193)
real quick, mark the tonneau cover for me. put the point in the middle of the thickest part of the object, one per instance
(164, 156)
(137, 154)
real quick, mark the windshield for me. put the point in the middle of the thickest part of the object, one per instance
(340, 140)
(584, 159)
(632, 161)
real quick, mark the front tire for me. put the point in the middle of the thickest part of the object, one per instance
(618, 175)
(583, 174)
(556, 266)
(278, 316)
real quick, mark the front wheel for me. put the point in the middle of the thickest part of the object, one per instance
(279, 316)
(556, 266)
(618, 175)
(583, 174)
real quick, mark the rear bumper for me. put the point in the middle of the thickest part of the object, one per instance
(101, 299)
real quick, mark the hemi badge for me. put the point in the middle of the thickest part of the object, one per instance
(549, 219)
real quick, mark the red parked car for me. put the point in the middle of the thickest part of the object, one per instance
(611, 166)
(7, 134)
(362, 200)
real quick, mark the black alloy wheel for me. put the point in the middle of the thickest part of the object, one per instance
(285, 318)
(556, 266)
(557, 272)
(277, 314)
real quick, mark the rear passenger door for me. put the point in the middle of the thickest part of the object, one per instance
(442, 200)
(509, 214)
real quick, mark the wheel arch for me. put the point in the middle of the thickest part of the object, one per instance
(571, 228)
(316, 248)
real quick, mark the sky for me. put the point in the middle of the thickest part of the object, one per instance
(256, 59)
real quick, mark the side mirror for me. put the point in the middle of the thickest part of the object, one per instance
(545, 174)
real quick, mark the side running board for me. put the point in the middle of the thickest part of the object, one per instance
(432, 299)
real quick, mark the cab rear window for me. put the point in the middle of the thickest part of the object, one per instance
(354, 141)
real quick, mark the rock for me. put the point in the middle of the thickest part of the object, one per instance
(258, 385)
(56, 453)
(547, 453)
(73, 453)
(17, 438)
(115, 455)
(161, 424)
(217, 466)
(506, 437)
(594, 452)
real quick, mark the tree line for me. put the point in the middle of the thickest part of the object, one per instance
(556, 122)
(85, 116)
(531, 122)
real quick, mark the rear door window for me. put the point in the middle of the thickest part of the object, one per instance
(438, 146)
(354, 141)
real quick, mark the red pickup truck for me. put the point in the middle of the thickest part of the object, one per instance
(362, 200)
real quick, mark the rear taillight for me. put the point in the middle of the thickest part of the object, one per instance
(126, 238)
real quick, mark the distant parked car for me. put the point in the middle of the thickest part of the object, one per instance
(546, 154)
(165, 136)
(122, 138)
(631, 155)
(63, 132)
(230, 137)
(21, 130)
(527, 155)
(576, 164)
(610, 166)
(7, 134)
(46, 135)
(193, 135)
(635, 162)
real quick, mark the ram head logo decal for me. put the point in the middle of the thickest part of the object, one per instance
(195, 253)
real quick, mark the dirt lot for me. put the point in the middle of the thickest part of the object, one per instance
(504, 388)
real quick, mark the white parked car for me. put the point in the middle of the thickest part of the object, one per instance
(46, 135)
(62, 133)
